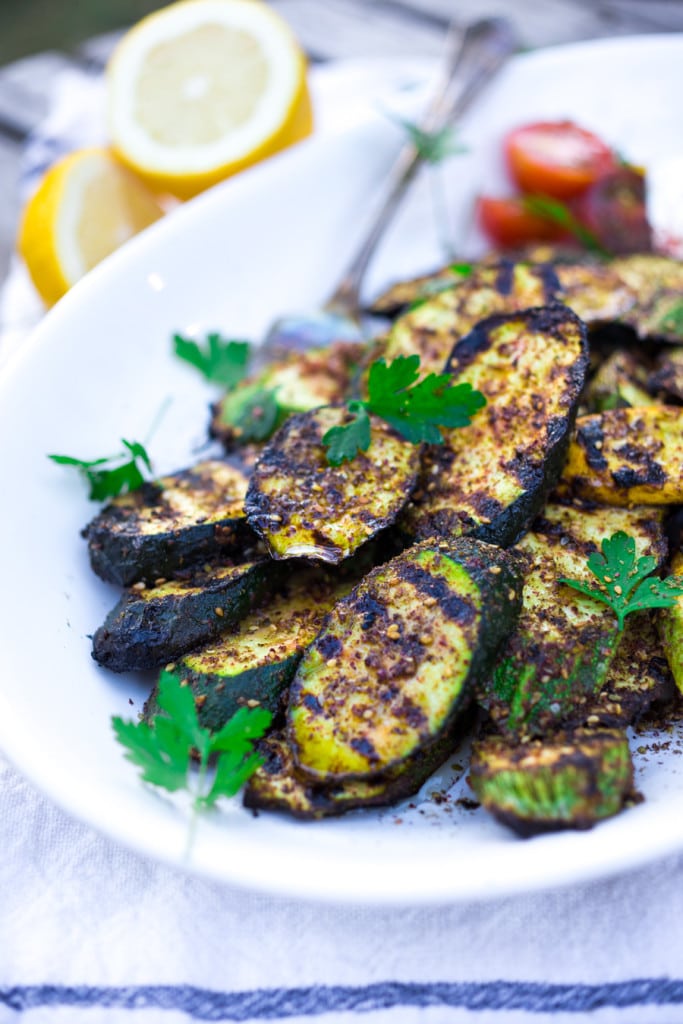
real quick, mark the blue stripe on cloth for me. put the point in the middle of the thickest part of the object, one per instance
(283, 1003)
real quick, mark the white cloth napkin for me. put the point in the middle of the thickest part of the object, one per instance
(91, 933)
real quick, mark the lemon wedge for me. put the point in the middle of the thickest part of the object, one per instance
(202, 89)
(85, 207)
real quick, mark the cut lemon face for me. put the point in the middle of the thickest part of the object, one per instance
(85, 207)
(203, 88)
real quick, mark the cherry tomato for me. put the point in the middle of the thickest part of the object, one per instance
(510, 224)
(614, 210)
(556, 158)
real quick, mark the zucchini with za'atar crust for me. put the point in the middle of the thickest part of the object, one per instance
(254, 662)
(571, 780)
(305, 508)
(184, 518)
(559, 655)
(151, 626)
(396, 662)
(490, 479)
(628, 457)
(277, 785)
(297, 382)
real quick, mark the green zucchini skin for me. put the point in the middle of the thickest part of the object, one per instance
(560, 654)
(570, 780)
(254, 662)
(303, 507)
(299, 381)
(397, 659)
(278, 786)
(153, 626)
(149, 533)
(489, 480)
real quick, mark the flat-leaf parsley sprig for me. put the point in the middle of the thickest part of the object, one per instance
(220, 360)
(416, 409)
(626, 584)
(113, 474)
(164, 749)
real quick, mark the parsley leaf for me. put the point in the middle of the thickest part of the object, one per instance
(625, 583)
(559, 213)
(114, 474)
(344, 442)
(163, 749)
(415, 409)
(252, 411)
(221, 361)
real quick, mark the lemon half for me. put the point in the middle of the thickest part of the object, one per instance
(85, 207)
(203, 88)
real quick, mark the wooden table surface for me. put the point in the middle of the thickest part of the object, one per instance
(327, 29)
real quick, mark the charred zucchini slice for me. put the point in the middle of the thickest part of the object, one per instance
(638, 677)
(399, 296)
(187, 517)
(628, 457)
(671, 628)
(278, 786)
(620, 381)
(568, 781)
(305, 508)
(656, 283)
(559, 656)
(667, 376)
(298, 382)
(255, 662)
(433, 328)
(489, 480)
(396, 661)
(152, 626)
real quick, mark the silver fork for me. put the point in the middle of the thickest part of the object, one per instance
(473, 56)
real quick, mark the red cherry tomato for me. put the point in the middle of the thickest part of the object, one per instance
(556, 158)
(614, 211)
(508, 223)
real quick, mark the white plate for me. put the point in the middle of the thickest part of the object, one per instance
(99, 368)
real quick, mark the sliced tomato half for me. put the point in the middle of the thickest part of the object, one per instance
(556, 158)
(509, 223)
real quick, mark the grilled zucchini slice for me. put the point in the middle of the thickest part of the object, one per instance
(399, 296)
(670, 623)
(150, 627)
(255, 662)
(620, 381)
(298, 382)
(397, 659)
(305, 508)
(433, 328)
(571, 780)
(638, 677)
(656, 283)
(667, 376)
(278, 786)
(490, 479)
(628, 457)
(184, 518)
(560, 654)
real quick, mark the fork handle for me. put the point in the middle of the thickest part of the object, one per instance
(473, 58)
